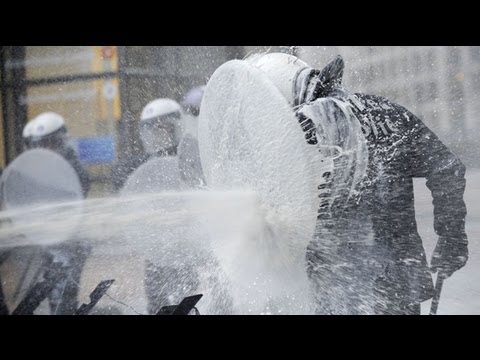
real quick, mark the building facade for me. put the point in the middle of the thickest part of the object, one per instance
(440, 84)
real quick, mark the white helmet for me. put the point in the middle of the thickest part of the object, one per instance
(47, 129)
(282, 69)
(43, 125)
(161, 125)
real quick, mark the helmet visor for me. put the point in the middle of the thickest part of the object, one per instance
(159, 134)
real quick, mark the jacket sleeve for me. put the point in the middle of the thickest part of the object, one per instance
(429, 158)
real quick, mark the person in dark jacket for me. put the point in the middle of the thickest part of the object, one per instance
(367, 256)
(48, 131)
(160, 128)
(165, 112)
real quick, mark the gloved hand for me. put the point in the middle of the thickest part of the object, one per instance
(450, 255)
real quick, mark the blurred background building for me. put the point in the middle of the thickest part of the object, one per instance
(440, 84)
(101, 90)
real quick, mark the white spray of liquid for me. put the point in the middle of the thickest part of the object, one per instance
(200, 229)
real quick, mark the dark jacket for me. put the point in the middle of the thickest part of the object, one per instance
(400, 148)
(69, 154)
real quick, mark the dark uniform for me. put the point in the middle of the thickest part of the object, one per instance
(368, 257)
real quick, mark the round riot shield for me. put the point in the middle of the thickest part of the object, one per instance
(38, 188)
(250, 140)
(156, 175)
(153, 190)
(162, 236)
(41, 205)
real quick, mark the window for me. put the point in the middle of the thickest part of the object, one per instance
(419, 91)
(381, 71)
(60, 83)
(431, 59)
(453, 57)
(87, 106)
(475, 53)
(476, 82)
(392, 68)
(417, 63)
(78, 82)
(369, 74)
(456, 102)
(56, 61)
(432, 91)
(404, 68)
